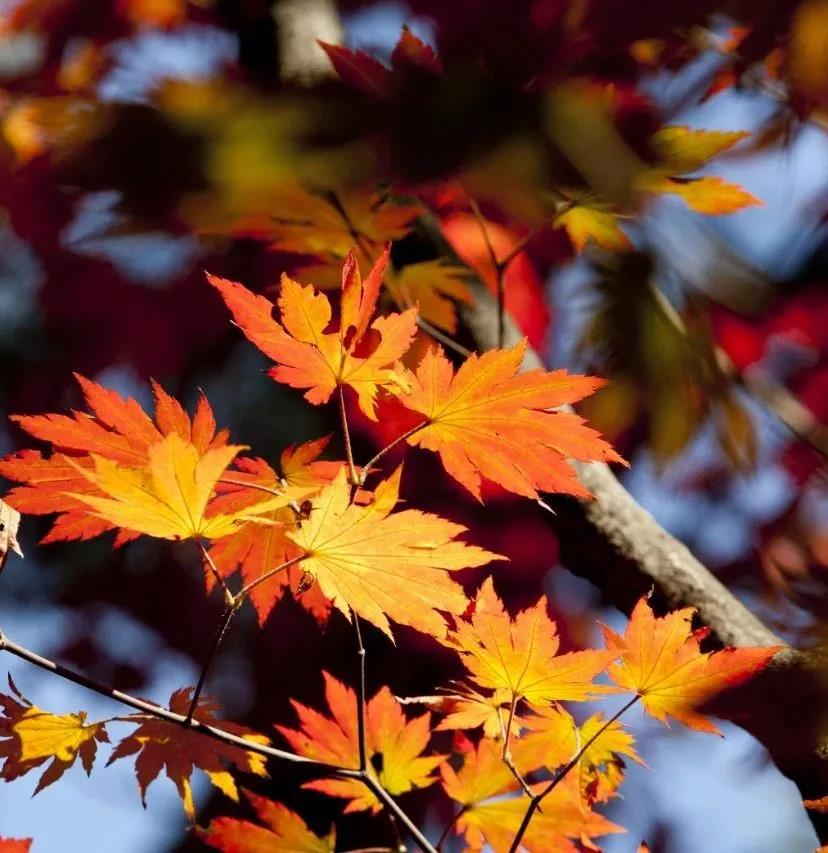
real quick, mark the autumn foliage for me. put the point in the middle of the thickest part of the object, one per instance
(378, 257)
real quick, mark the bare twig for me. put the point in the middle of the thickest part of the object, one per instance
(363, 752)
(449, 826)
(229, 611)
(506, 754)
(245, 590)
(556, 780)
(388, 447)
(346, 437)
(219, 734)
(229, 598)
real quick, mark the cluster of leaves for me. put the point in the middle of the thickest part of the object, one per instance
(176, 477)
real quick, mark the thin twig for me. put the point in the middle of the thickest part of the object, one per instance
(245, 590)
(346, 437)
(386, 799)
(561, 775)
(443, 338)
(229, 598)
(219, 734)
(506, 754)
(449, 826)
(499, 271)
(279, 493)
(363, 752)
(388, 447)
(229, 611)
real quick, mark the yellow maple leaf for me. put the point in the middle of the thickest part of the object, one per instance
(169, 497)
(382, 563)
(684, 149)
(435, 287)
(30, 736)
(491, 817)
(588, 220)
(521, 656)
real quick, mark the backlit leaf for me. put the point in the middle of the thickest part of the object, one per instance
(489, 422)
(159, 745)
(660, 660)
(30, 736)
(394, 744)
(385, 564)
(311, 358)
(521, 655)
(283, 832)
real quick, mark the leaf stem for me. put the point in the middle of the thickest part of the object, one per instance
(506, 755)
(346, 437)
(245, 590)
(228, 596)
(449, 826)
(534, 805)
(443, 338)
(388, 447)
(363, 752)
(229, 611)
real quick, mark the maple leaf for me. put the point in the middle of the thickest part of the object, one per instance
(160, 745)
(586, 219)
(490, 820)
(521, 656)
(681, 150)
(9, 524)
(30, 736)
(660, 660)
(486, 421)
(684, 149)
(434, 287)
(468, 709)
(256, 548)
(820, 805)
(283, 832)
(553, 738)
(118, 430)
(169, 497)
(394, 744)
(360, 355)
(326, 226)
(15, 845)
(369, 76)
(385, 564)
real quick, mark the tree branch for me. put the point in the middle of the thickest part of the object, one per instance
(218, 734)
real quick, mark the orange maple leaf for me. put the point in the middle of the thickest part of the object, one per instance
(360, 355)
(385, 564)
(256, 548)
(660, 660)
(489, 422)
(521, 656)
(158, 745)
(394, 744)
(118, 430)
(30, 736)
(15, 845)
(283, 832)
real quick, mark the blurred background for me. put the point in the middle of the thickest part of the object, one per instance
(144, 141)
